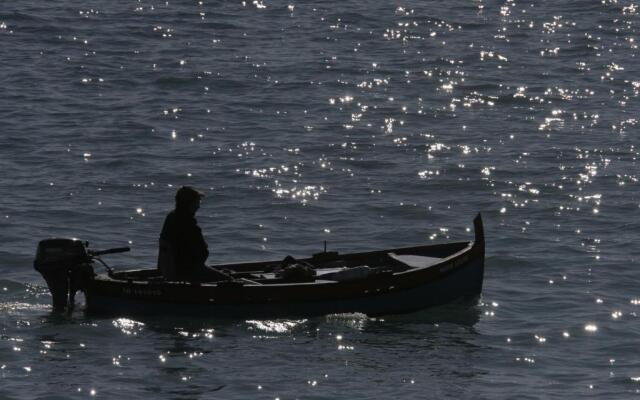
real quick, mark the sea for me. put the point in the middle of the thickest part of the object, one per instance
(363, 124)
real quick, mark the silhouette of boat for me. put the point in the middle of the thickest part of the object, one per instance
(381, 282)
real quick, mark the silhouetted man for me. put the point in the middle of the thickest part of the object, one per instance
(183, 250)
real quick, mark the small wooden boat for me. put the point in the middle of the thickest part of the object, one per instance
(381, 282)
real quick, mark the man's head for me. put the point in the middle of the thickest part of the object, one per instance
(187, 198)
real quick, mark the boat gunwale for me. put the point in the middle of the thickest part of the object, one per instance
(400, 250)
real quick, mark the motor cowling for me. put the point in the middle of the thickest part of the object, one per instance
(66, 266)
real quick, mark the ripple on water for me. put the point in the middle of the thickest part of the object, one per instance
(367, 125)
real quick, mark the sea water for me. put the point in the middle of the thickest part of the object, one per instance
(365, 124)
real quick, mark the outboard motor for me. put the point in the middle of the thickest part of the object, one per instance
(66, 266)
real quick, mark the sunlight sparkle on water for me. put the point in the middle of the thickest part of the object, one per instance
(128, 326)
(540, 339)
(275, 326)
(399, 116)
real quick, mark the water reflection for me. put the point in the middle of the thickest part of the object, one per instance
(128, 326)
(275, 326)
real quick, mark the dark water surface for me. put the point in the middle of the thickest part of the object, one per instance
(367, 124)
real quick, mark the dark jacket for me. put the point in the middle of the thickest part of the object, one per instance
(189, 249)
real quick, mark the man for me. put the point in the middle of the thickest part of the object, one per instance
(183, 250)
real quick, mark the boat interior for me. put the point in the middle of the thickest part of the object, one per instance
(324, 266)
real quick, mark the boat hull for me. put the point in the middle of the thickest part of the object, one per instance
(457, 278)
(463, 284)
(449, 272)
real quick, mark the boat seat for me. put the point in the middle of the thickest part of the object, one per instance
(415, 261)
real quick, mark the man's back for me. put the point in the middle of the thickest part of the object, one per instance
(181, 240)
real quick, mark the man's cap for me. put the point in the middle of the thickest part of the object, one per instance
(187, 194)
